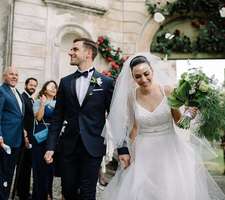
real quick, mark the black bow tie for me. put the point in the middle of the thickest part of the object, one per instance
(78, 74)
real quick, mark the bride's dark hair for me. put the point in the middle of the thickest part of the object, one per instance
(139, 60)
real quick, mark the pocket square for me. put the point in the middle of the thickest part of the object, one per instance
(95, 90)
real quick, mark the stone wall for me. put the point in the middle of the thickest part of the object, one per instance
(43, 28)
(29, 39)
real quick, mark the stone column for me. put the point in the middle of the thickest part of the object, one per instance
(6, 13)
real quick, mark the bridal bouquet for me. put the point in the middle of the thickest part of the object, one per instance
(195, 89)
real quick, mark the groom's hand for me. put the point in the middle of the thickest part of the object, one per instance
(49, 157)
(1, 141)
(125, 160)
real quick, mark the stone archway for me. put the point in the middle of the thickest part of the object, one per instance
(63, 41)
(149, 29)
(147, 33)
(65, 45)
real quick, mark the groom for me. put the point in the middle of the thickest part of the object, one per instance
(82, 101)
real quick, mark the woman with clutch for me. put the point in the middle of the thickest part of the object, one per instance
(42, 173)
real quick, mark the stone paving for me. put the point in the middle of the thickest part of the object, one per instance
(57, 187)
(57, 195)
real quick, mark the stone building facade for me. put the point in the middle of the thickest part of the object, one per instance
(43, 31)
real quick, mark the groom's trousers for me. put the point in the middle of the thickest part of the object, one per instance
(80, 172)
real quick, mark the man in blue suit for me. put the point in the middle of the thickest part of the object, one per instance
(11, 128)
(82, 101)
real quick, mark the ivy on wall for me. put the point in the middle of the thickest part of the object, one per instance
(208, 17)
(112, 55)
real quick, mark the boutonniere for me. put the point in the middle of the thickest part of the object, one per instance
(97, 81)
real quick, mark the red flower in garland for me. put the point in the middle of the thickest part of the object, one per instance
(111, 55)
(114, 65)
(109, 59)
(195, 24)
(177, 32)
(100, 40)
(202, 22)
(108, 49)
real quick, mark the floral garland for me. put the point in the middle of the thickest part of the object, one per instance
(208, 18)
(112, 56)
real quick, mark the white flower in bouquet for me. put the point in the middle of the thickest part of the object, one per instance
(192, 90)
(203, 86)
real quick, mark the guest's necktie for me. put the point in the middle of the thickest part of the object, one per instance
(17, 98)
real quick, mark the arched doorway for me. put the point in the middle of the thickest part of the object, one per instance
(60, 66)
(64, 60)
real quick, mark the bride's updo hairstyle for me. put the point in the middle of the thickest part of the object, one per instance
(139, 60)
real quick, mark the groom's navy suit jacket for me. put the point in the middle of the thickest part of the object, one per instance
(86, 120)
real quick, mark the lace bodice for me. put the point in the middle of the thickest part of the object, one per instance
(159, 121)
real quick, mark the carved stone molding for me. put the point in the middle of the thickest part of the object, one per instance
(85, 6)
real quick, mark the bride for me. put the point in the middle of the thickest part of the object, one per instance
(161, 164)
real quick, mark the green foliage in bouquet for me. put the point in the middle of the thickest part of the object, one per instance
(191, 91)
(195, 89)
(212, 117)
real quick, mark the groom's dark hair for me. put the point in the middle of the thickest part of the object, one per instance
(139, 60)
(89, 44)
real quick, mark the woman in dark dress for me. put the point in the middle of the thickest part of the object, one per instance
(42, 173)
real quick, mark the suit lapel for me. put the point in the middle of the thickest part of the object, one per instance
(90, 88)
(73, 90)
(13, 97)
(23, 105)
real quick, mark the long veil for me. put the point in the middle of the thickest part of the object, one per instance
(120, 119)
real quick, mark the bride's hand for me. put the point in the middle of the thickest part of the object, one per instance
(192, 111)
(125, 160)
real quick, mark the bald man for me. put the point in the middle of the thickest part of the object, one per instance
(11, 128)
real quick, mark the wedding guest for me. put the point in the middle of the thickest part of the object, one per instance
(11, 128)
(42, 173)
(24, 163)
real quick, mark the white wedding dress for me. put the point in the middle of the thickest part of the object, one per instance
(164, 166)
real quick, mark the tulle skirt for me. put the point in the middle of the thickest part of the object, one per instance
(163, 167)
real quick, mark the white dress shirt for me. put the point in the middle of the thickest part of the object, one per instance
(82, 85)
(17, 97)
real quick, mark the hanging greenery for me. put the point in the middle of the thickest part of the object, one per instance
(208, 17)
(112, 55)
